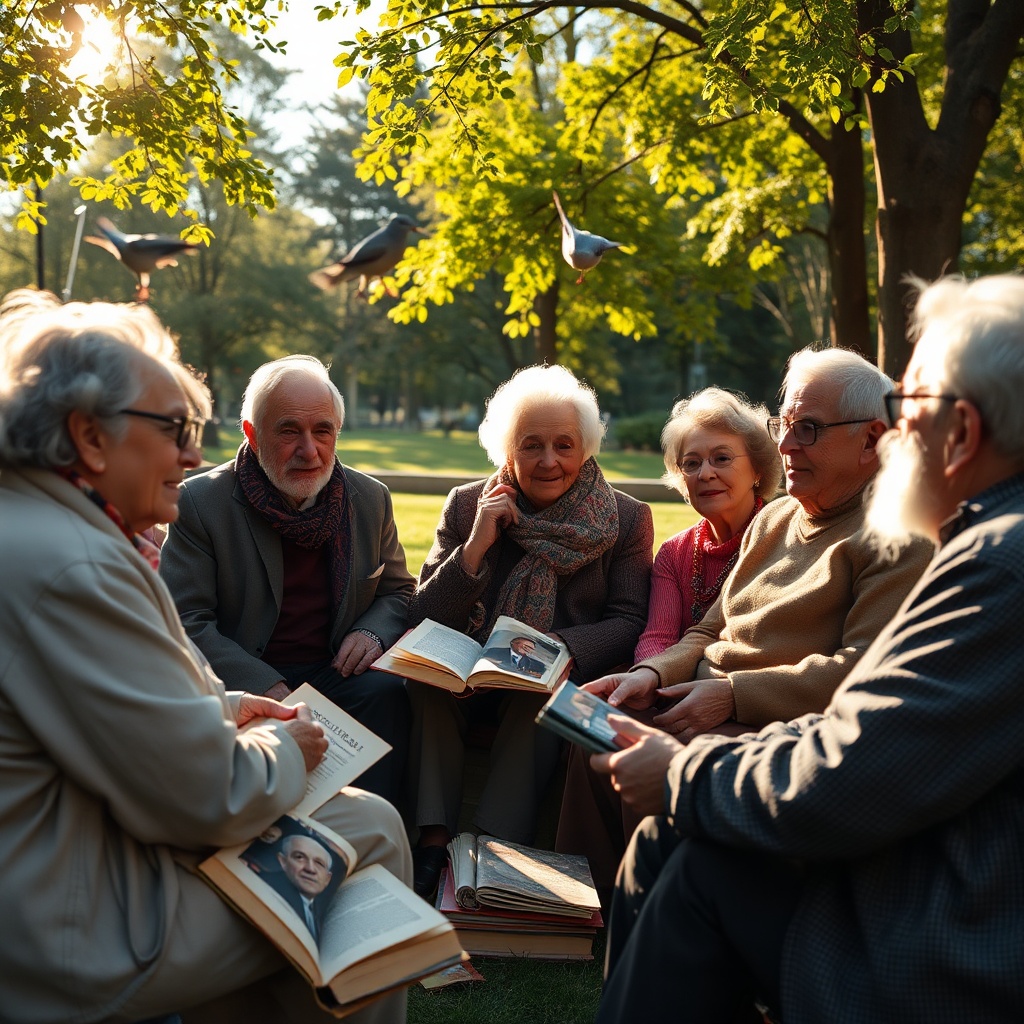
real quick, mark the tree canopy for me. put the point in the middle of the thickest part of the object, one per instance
(761, 105)
(171, 112)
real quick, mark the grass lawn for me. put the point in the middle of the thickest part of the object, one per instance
(515, 991)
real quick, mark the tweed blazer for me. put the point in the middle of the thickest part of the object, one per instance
(222, 561)
(118, 752)
(600, 610)
(905, 800)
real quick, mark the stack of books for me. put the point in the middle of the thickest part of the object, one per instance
(505, 899)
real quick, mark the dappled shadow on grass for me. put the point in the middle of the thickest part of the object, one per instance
(516, 991)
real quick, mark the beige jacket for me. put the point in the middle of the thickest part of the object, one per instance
(118, 758)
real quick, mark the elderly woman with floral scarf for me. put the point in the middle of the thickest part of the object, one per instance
(547, 541)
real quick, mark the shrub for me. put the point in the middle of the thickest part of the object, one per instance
(641, 432)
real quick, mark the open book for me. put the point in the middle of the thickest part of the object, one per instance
(355, 933)
(581, 717)
(489, 872)
(515, 657)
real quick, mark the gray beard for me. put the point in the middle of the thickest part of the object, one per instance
(896, 513)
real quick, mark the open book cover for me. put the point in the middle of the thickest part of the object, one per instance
(581, 717)
(489, 872)
(515, 656)
(354, 933)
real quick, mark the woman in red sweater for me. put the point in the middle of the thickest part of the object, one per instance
(719, 456)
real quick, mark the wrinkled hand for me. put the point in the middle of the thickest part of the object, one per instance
(638, 772)
(356, 654)
(309, 735)
(494, 512)
(253, 705)
(636, 689)
(705, 703)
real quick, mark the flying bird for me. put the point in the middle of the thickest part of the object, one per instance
(371, 258)
(581, 249)
(141, 254)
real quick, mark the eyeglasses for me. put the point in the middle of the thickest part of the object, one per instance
(895, 399)
(190, 428)
(720, 460)
(805, 432)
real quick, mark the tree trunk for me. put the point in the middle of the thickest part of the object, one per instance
(545, 335)
(847, 253)
(923, 174)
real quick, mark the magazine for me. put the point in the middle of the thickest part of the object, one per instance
(489, 872)
(581, 717)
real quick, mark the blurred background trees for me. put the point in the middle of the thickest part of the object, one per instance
(745, 192)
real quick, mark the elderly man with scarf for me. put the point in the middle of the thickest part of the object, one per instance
(286, 566)
(549, 542)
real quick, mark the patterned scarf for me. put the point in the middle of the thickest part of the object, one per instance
(149, 551)
(324, 523)
(558, 541)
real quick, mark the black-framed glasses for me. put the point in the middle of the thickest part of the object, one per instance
(190, 428)
(691, 465)
(894, 402)
(805, 432)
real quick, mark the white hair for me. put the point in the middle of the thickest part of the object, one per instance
(531, 388)
(975, 341)
(84, 357)
(720, 410)
(861, 385)
(270, 375)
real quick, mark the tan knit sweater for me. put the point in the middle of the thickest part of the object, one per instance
(806, 599)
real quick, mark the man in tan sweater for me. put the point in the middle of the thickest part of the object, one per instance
(810, 591)
(808, 595)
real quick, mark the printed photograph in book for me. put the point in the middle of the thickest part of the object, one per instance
(514, 656)
(355, 933)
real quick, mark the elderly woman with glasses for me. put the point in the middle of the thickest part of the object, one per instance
(122, 758)
(547, 541)
(719, 456)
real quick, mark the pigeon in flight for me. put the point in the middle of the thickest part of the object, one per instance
(581, 249)
(141, 254)
(371, 258)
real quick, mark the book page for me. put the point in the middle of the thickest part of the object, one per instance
(438, 645)
(351, 748)
(372, 911)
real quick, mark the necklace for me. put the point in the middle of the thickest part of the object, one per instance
(705, 594)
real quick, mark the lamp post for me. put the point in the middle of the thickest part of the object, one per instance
(40, 262)
(80, 215)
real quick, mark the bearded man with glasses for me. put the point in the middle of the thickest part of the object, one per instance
(865, 864)
(809, 592)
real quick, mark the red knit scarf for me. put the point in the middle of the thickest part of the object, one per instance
(326, 522)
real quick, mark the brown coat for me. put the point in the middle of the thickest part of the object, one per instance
(600, 611)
